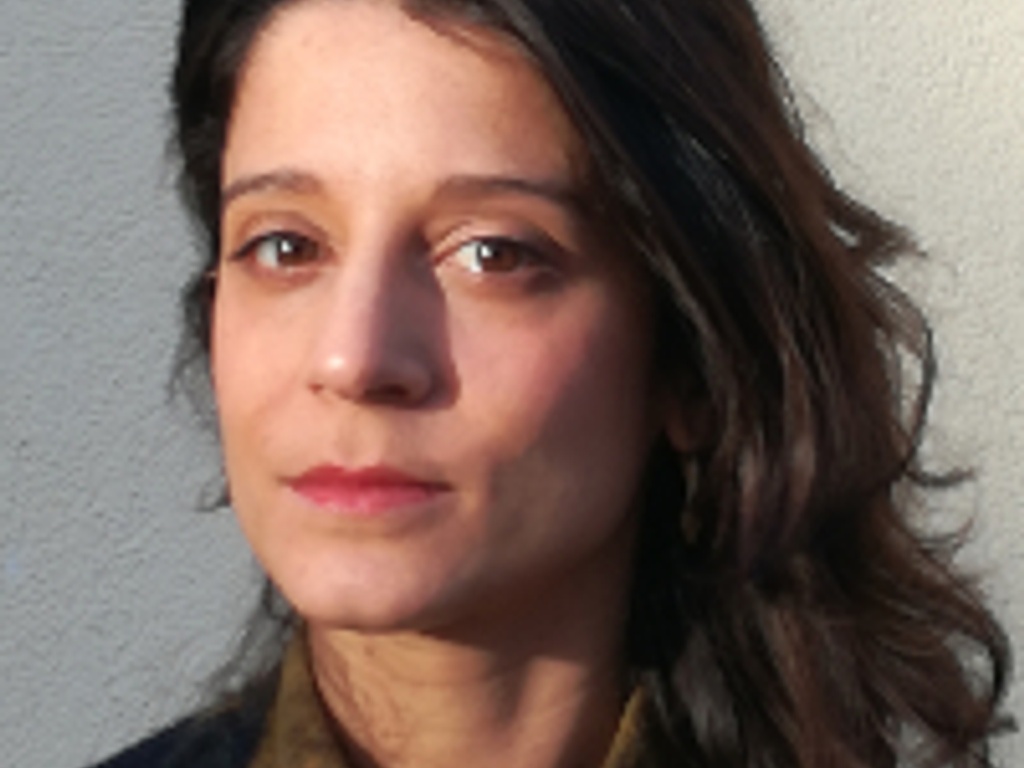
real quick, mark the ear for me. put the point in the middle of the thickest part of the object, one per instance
(686, 421)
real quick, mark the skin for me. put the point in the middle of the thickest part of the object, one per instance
(357, 324)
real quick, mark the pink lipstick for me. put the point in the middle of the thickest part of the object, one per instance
(368, 491)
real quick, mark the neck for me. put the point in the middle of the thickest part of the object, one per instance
(538, 685)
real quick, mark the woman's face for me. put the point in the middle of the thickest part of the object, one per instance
(433, 375)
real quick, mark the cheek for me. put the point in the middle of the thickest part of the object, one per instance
(254, 370)
(566, 404)
(231, 364)
(587, 368)
(254, 362)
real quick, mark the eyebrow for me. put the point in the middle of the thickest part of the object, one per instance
(284, 180)
(561, 193)
(298, 182)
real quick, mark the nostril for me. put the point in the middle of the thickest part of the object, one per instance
(380, 376)
(402, 380)
(392, 394)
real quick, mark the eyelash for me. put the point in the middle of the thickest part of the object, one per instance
(302, 253)
(298, 245)
(522, 252)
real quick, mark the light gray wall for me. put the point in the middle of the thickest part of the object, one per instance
(115, 599)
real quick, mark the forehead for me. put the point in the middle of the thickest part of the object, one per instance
(363, 84)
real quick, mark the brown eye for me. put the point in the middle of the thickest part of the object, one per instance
(281, 251)
(494, 254)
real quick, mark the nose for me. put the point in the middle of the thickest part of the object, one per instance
(376, 340)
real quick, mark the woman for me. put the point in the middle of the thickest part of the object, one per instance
(560, 398)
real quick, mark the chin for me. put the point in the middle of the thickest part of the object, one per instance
(377, 603)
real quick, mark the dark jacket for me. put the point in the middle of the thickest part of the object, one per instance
(287, 709)
(226, 738)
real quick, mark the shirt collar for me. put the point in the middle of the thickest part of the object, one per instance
(299, 733)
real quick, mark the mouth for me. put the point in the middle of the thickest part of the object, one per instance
(367, 491)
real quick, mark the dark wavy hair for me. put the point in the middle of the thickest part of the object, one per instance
(787, 610)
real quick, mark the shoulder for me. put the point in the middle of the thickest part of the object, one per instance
(209, 743)
(225, 738)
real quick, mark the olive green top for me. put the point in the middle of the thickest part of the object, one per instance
(298, 731)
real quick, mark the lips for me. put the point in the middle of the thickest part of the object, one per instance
(369, 491)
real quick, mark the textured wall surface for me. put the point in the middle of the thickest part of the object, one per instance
(116, 599)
